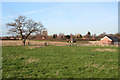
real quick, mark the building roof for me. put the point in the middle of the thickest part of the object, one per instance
(114, 38)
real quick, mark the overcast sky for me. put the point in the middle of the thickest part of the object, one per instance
(65, 17)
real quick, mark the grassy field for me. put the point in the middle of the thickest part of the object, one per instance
(60, 62)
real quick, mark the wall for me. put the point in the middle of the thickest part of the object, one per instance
(105, 41)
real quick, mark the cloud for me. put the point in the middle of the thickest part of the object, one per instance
(34, 11)
(37, 11)
(31, 12)
(26, 13)
(8, 17)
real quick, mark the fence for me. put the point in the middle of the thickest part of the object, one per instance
(51, 43)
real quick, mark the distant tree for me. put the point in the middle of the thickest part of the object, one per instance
(44, 33)
(80, 36)
(61, 35)
(73, 37)
(117, 34)
(54, 36)
(88, 34)
(94, 37)
(102, 35)
(67, 36)
(71, 34)
(110, 34)
(23, 27)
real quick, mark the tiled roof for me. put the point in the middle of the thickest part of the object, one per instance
(114, 38)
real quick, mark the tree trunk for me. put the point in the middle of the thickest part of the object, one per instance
(24, 42)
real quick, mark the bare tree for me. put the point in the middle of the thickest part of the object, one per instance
(24, 27)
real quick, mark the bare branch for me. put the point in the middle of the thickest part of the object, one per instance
(25, 27)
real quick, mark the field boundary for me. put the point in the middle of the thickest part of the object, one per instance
(49, 43)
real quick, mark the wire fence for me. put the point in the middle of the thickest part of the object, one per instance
(49, 43)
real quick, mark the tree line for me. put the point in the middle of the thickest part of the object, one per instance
(29, 29)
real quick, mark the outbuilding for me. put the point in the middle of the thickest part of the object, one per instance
(110, 40)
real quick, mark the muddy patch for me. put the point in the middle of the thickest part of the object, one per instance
(109, 50)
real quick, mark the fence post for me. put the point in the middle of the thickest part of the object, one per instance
(28, 43)
(45, 44)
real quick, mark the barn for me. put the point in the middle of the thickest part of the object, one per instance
(110, 40)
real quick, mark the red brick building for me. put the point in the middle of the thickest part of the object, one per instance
(109, 40)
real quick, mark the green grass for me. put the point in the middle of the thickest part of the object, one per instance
(59, 62)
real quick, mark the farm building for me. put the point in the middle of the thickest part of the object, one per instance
(110, 40)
